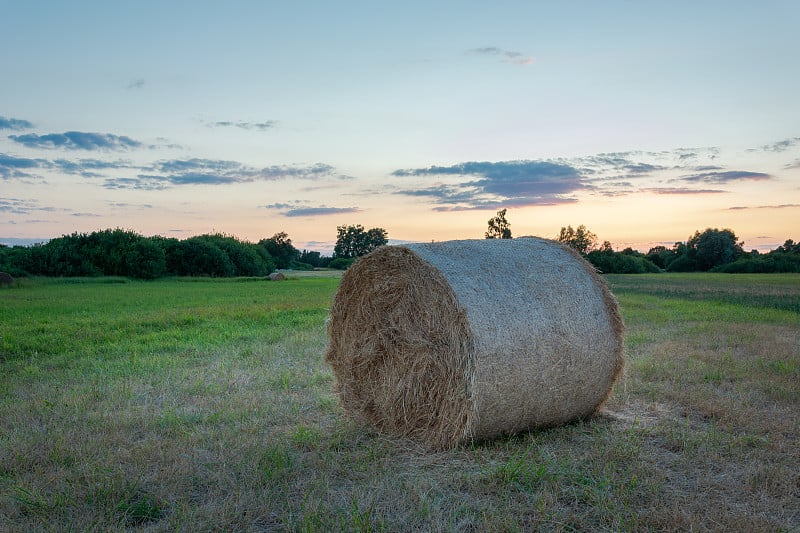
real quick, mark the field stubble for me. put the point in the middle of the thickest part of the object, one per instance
(206, 406)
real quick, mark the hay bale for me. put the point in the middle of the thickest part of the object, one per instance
(457, 341)
(277, 276)
(6, 279)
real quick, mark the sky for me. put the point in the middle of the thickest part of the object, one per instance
(644, 121)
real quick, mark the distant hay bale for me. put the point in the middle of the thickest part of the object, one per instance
(277, 276)
(6, 279)
(458, 341)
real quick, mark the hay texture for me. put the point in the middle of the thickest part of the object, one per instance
(457, 341)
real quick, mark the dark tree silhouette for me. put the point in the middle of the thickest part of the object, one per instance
(353, 241)
(581, 239)
(499, 228)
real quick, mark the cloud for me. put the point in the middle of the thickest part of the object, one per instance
(139, 183)
(710, 152)
(177, 166)
(680, 190)
(20, 206)
(14, 124)
(507, 56)
(727, 177)
(77, 140)
(10, 166)
(177, 172)
(88, 168)
(124, 205)
(260, 126)
(781, 206)
(299, 209)
(136, 84)
(619, 165)
(780, 146)
(493, 185)
(319, 211)
(313, 172)
(16, 206)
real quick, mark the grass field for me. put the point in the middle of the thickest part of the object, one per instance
(205, 405)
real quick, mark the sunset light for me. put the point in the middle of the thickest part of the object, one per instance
(643, 122)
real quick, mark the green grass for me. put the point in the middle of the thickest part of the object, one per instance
(205, 405)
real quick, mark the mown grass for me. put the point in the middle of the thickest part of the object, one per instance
(206, 406)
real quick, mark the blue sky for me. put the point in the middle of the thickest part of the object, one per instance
(645, 121)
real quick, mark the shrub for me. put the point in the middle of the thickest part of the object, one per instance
(610, 262)
(341, 263)
(773, 262)
(198, 257)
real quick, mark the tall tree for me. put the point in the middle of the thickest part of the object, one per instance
(715, 247)
(281, 249)
(499, 228)
(354, 241)
(581, 239)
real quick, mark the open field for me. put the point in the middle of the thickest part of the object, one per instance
(197, 406)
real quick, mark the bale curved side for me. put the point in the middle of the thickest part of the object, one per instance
(548, 334)
(401, 349)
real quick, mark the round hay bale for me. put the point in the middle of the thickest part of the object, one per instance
(457, 341)
(277, 276)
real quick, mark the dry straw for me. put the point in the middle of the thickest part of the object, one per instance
(451, 342)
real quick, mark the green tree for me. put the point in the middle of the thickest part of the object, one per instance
(197, 256)
(354, 241)
(244, 256)
(659, 255)
(789, 247)
(499, 228)
(311, 258)
(714, 247)
(145, 259)
(628, 261)
(280, 247)
(581, 239)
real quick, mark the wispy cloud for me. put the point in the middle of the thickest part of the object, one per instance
(17, 124)
(622, 165)
(125, 205)
(507, 56)
(780, 146)
(21, 206)
(727, 176)
(16, 206)
(77, 140)
(302, 209)
(177, 172)
(136, 84)
(490, 185)
(12, 167)
(680, 190)
(781, 206)
(90, 168)
(139, 183)
(259, 126)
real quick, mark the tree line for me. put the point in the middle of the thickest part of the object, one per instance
(120, 252)
(712, 250)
